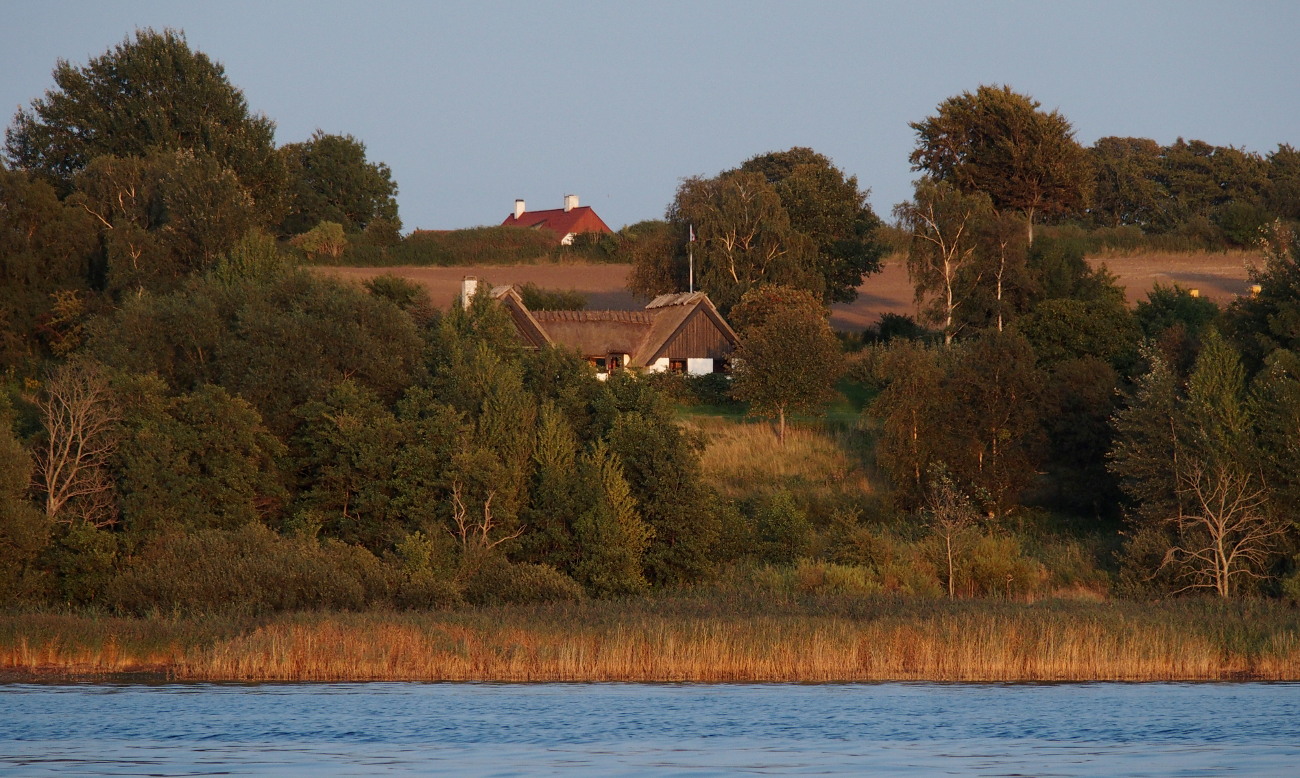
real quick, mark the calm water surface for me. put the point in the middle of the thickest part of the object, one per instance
(634, 729)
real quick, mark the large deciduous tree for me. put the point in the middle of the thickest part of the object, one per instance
(787, 217)
(830, 209)
(330, 179)
(744, 237)
(999, 142)
(153, 93)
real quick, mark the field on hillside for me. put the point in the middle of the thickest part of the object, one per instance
(1219, 276)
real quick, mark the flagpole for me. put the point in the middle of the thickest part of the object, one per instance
(690, 258)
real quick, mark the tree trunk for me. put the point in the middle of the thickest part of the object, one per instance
(780, 429)
(947, 540)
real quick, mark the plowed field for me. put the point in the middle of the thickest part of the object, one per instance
(1220, 277)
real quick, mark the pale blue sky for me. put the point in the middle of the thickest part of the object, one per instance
(474, 104)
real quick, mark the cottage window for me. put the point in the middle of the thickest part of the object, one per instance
(599, 362)
(615, 362)
(676, 365)
(721, 365)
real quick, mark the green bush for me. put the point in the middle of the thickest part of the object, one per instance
(498, 582)
(539, 299)
(82, 559)
(783, 530)
(815, 577)
(248, 571)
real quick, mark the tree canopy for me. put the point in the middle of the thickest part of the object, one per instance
(997, 141)
(149, 94)
(789, 217)
(330, 179)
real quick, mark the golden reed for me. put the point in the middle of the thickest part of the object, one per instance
(501, 646)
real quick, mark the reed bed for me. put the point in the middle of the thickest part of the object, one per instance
(701, 640)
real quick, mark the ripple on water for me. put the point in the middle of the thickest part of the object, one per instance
(634, 729)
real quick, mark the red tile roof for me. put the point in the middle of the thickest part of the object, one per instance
(560, 221)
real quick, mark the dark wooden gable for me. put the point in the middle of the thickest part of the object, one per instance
(697, 337)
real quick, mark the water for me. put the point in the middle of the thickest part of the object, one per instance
(636, 729)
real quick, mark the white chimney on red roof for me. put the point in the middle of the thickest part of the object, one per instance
(469, 288)
(570, 202)
(519, 208)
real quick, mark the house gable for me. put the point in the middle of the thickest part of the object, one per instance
(672, 330)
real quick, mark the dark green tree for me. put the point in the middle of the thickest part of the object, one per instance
(910, 411)
(46, 250)
(331, 180)
(1270, 320)
(661, 465)
(1128, 189)
(610, 535)
(150, 94)
(999, 142)
(199, 460)
(24, 532)
(831, 210)
(347, 450)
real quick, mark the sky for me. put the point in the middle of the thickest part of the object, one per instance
(475, 104)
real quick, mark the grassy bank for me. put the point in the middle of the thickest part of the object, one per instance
(713, 638)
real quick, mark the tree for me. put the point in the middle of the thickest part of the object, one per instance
(995, 392)
(829, 209)
(1270, 320)
(998, 142)
(910, 411)
(23, 531)
(943, 259)
(331, 180)
(951, 514)
(80, 419)
(662, 466)
(785, 217)
(787, 359)
(1192, 463)
(326, 239)
(202, 460)
(146, 95)
(744, 237)
(611, 536)
(1127, 186)
(46, 248)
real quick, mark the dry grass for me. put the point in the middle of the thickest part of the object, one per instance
(707, 640)
(743, 459)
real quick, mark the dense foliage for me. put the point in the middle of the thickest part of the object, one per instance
(192, 422)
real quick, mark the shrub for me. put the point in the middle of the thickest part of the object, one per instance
(812, 577)
(498, 582)
(539, 299)
(251, 570)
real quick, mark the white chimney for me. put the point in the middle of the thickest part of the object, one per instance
(570, 202)
(469, 288)
(519, 208)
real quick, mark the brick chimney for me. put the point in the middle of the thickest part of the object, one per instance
(570, 202)
(519, 208)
